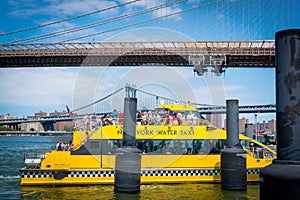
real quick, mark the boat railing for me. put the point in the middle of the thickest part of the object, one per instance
(33, 159)
(95, 124)
(259, 152)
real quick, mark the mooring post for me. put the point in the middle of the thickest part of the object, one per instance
(281, 179)
(128, 157)
(233, 157)
(248, 132)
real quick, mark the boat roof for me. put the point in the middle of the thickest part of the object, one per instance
(177, 107)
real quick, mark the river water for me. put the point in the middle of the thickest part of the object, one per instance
(11, 160)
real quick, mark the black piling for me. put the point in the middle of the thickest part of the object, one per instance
(128, 157)
(281, 179)
(233, 157)
(248, 132)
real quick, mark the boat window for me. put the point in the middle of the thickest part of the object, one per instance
(157, 146)
(169, 147)
(143, 145)
(179, 147)
(208, 146)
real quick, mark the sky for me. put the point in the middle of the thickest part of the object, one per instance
(25, 91)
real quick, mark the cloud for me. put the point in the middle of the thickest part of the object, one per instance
(157, 13)
(28, 8)
(42, 86)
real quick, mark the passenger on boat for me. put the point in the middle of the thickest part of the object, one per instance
(66, 146)
(71, 145)
(111, 120)
(168, 120)
(101, 121)
(191, 118)
(105, 120)
(175, 119)
(59, 146)
(115, 115)
(151, 116)
(86, 120)
(188, 151)
(144, 118)
(198, 147)
(93, 122)
(157, 119)
(180, 118)
(139, 117)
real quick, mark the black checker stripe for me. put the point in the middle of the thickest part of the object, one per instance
(182, 172)
(36, 174)
(145, 172)
(253, 171)
(108, 173)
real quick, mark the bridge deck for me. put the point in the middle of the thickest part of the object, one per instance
(238, 54)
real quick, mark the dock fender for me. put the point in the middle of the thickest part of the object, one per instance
(58, 175)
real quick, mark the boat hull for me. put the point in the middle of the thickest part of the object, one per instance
(106, 176)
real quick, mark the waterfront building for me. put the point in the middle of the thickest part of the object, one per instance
(266, 127)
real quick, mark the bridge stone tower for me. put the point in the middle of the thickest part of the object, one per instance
(281, 179)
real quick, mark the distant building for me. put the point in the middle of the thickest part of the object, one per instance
(60, 126)
(242, 124)
(266, 127)
(272, 125)
(215, 119)
(40, 114)
(58, 113)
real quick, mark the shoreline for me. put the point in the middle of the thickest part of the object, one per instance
(34, 133)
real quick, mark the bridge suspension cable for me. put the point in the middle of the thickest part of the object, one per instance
(143, 22)
(143, 101)
(100, 23)
(172, 100)
(111, 94)
(68, 19)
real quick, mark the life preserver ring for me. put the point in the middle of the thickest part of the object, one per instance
(58, 175)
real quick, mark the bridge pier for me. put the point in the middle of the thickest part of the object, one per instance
(13, 126)
(281, 179)
(48, 126)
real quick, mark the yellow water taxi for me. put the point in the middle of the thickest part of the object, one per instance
(177, 145)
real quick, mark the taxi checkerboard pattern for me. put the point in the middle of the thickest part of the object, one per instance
(145, 172)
